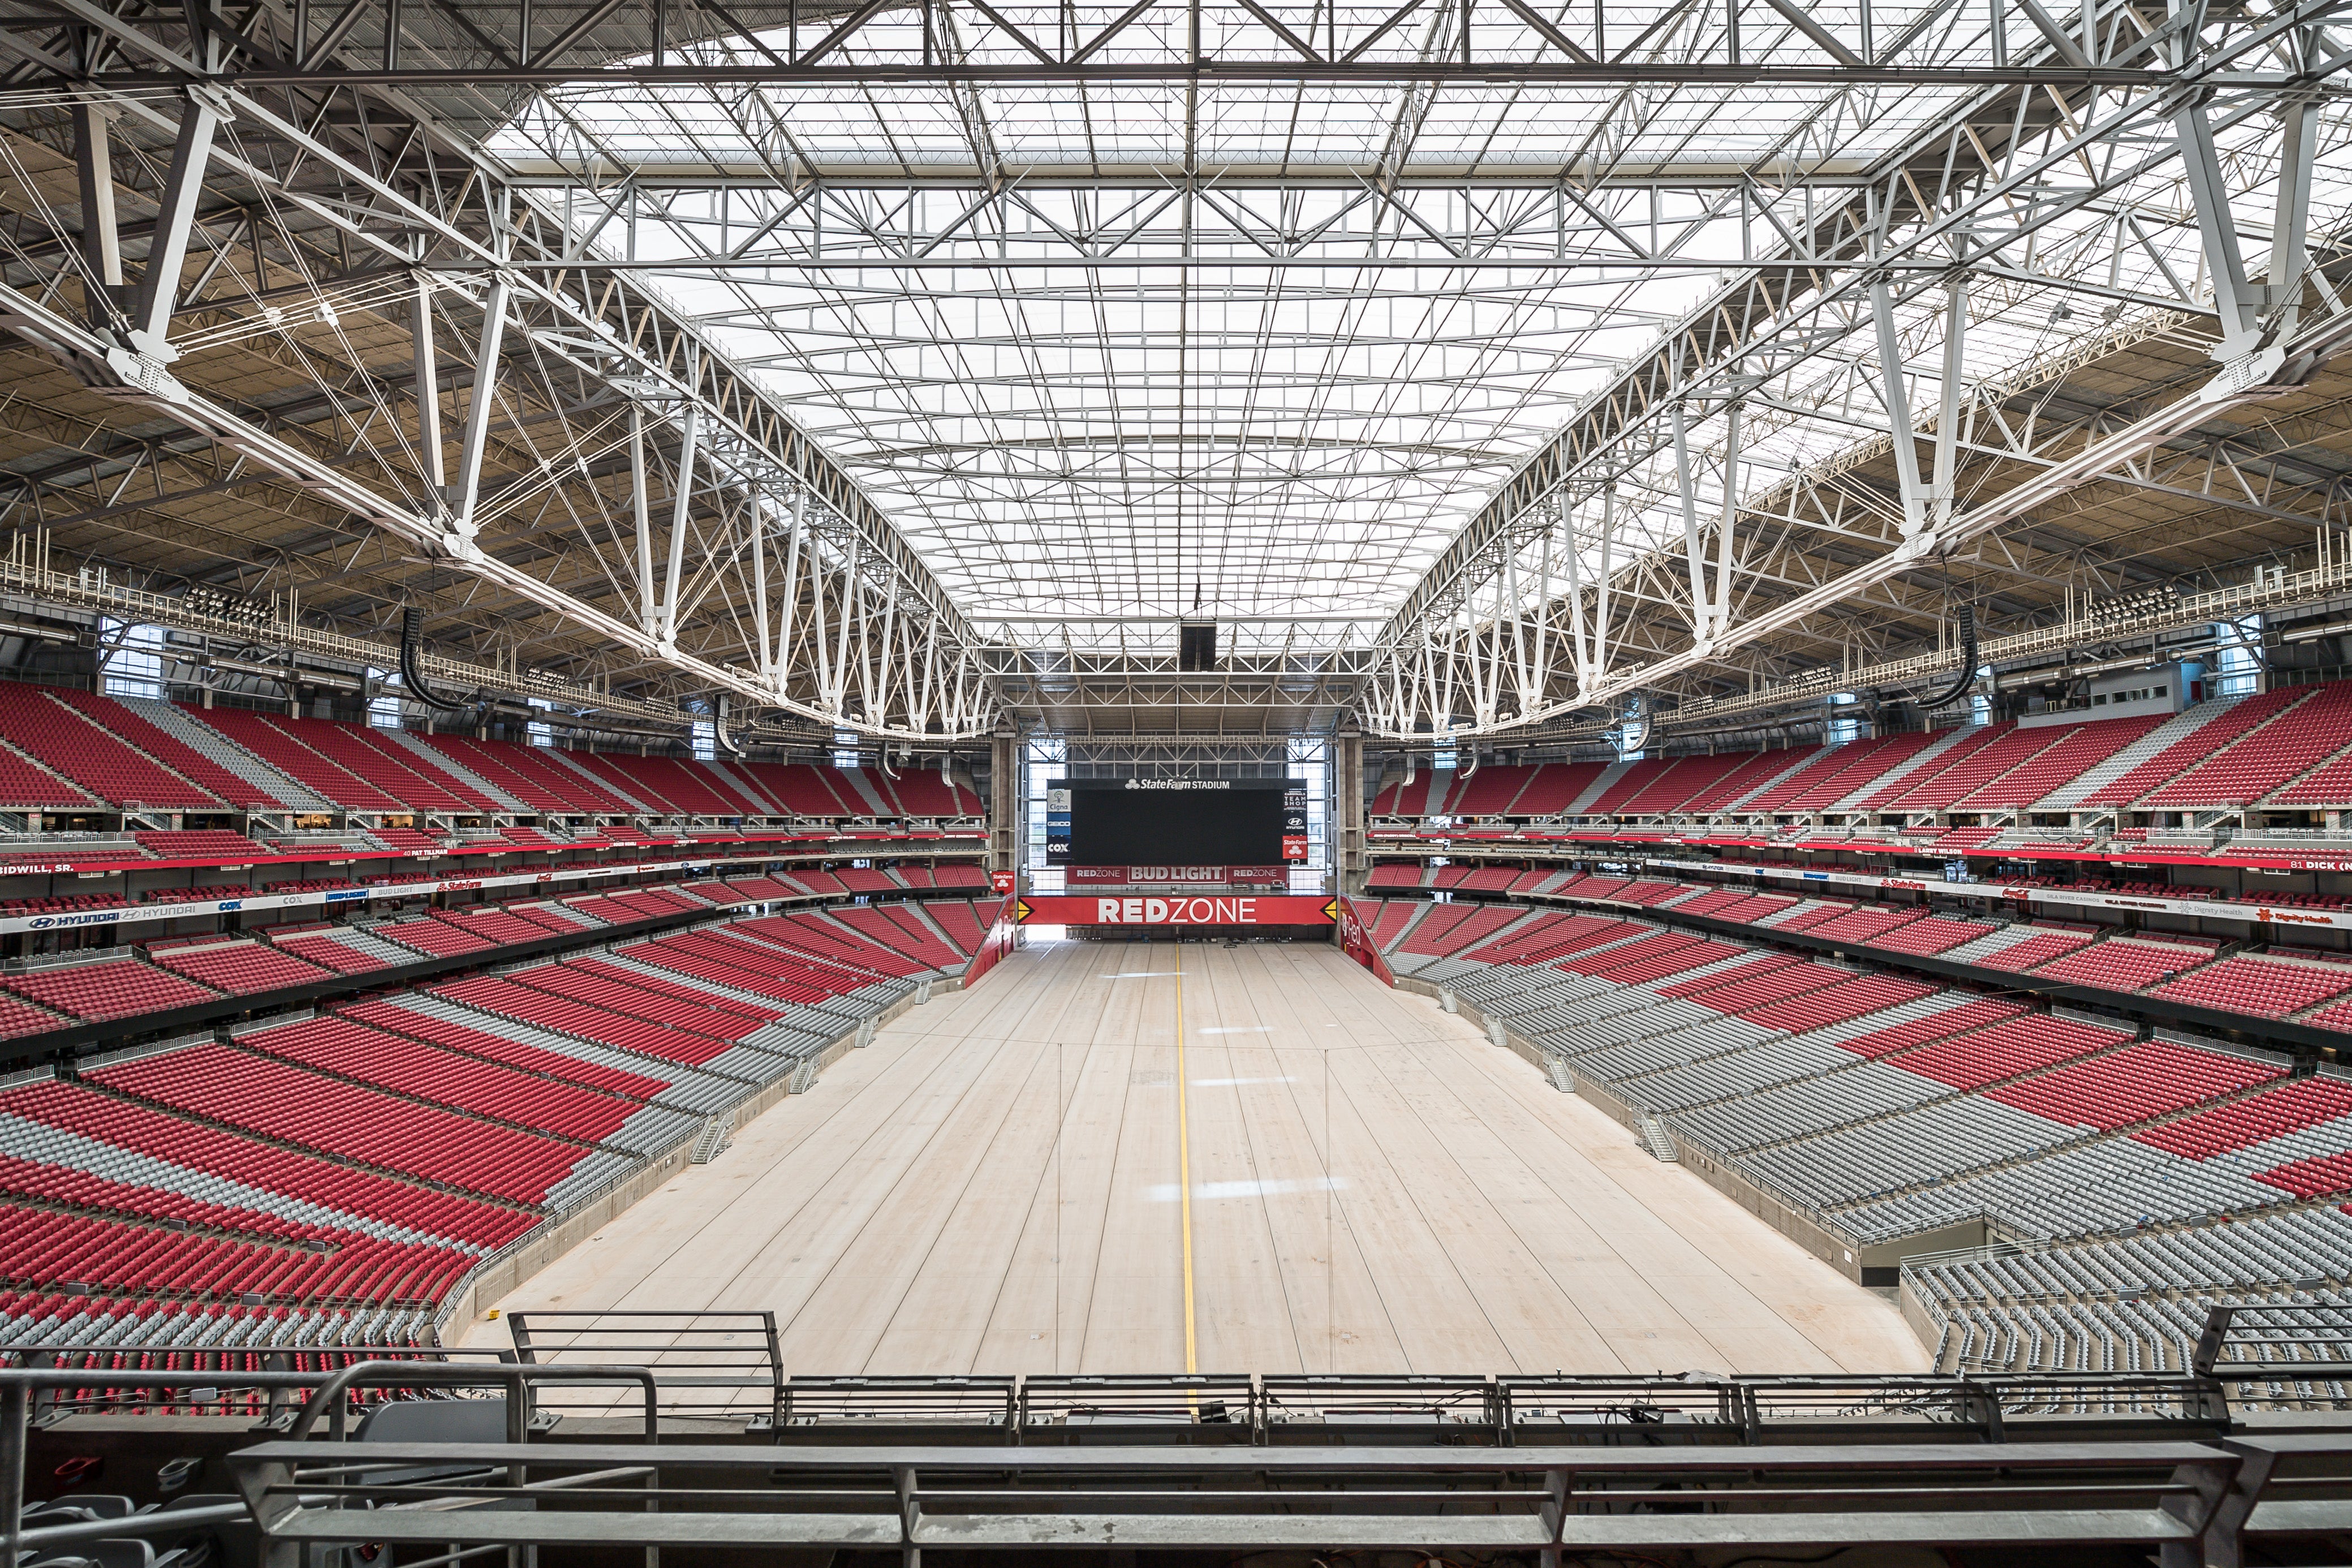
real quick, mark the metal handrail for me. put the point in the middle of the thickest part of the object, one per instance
(19, 1384)
(328, 1397)
(2220, 1319)
(1558, 1496)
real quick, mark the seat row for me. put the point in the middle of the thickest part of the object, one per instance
(1891, 1109)
(344, 1170)
(61, 748)
(2292, 745)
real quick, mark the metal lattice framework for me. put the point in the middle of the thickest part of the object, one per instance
(900, 369)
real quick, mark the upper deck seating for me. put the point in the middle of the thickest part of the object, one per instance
(61, 739)
(108, 989)
(307, 767)
(237, 968)
(256, 1093)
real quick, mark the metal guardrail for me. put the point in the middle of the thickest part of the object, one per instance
(1432, 1498)
(28, 572)
(710, 1358)
(698, 1374)
(518, 1381)
(2264, 1342)
(2321, 581)
(1909, 1459)
(327, 1397)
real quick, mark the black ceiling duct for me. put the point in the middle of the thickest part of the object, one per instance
(411, 626)
(726, 741)
(1196, 647)
(1967, 675)
(1634, 729)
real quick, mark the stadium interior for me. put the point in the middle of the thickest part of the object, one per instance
(1207, 781)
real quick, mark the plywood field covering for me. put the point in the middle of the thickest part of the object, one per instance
(999, 1184)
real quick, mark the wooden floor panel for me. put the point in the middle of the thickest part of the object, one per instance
(992, 1186)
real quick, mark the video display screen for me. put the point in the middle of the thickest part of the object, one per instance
(1176, 822)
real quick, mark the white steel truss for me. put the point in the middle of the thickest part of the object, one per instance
(890, 368)
(572, 396)
(1683, 513)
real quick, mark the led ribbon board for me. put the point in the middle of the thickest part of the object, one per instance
(1178, 910)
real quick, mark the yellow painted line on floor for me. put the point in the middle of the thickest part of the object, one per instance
(1184, 1170)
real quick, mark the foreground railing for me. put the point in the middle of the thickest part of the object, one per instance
(2281, 1355)
(1549, 1465)
(700, 1378)
(2161, 1495)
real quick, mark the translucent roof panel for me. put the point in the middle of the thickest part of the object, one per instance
(1121, 350)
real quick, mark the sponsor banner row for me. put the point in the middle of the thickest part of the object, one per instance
(1077, 876)
(2131, 858)
(2059, 898)
(1179, 910)
(925, 842)
(329, 899)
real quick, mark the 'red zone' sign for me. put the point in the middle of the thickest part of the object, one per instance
(1176, 909)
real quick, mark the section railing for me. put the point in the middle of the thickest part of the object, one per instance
(1781, 1462)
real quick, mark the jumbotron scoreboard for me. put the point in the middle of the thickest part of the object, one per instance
(1175, 822)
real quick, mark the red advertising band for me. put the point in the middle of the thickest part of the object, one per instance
(1356, 941)
(1180, 909)
(997, 944)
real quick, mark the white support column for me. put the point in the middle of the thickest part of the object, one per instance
(1522, 671)
(791, 607)
(756, 519)
(920, 717)
(2291, 212)
(1349, 864)
(642, 506)
(102, 238)
(1719, 619)
(1693, 553)
(820, 635)
(484, 397)
(175, 222)
(1005, 804)
(877, 682)
(1947, 404)
(1894, 391)
(1600, 586)
(2217, 230)
(1477, 668)
(1541, 663)
(681, 505)
(852, 608)
(433, 462)
(1579, 652)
